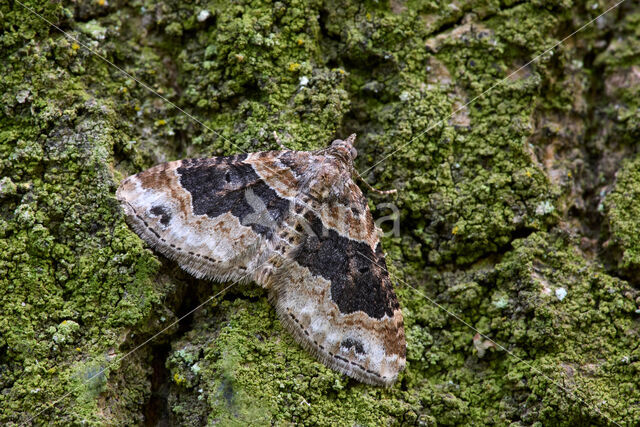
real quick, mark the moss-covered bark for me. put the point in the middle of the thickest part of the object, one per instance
(519, 214)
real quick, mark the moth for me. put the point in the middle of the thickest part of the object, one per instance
(295, 223)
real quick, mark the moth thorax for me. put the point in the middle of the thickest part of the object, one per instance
(345, 149)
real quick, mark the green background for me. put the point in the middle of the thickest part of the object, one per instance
(531, 191)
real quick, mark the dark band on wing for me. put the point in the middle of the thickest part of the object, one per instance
(220, 187)
(357, 282)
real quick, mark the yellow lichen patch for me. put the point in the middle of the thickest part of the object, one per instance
(300, 42)
(294, 66)
(161, 122)
(178, 379)
(75, 46)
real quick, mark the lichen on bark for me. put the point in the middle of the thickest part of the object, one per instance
(518, 212)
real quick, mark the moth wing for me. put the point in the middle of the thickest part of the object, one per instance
(215, 217)
(260, 214)
(335, 295)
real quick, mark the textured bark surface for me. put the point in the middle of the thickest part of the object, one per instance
(519, 213)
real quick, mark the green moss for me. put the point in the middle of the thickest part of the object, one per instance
(623, 211)
(250, 369)
(73, 277)
(486, 197)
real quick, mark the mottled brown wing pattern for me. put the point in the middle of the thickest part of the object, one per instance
(296, 224)
(197, 213)
(335, 295)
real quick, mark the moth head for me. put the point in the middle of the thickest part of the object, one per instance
(346, 146)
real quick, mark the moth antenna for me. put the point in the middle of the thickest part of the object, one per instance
(351, 140)
(277, 138)
(384, 192)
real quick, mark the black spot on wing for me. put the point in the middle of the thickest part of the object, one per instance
(219, 185)
(357, 283)
(162, 212)
(352, 343)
